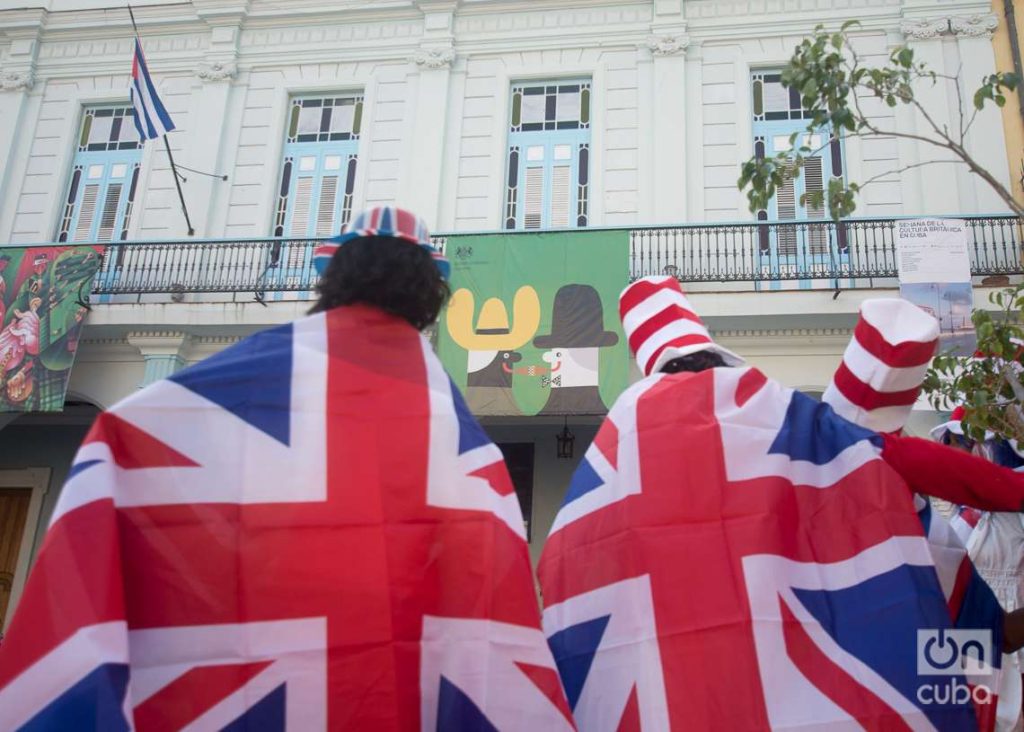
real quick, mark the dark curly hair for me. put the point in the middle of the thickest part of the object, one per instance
(697, 361)
(398, 277)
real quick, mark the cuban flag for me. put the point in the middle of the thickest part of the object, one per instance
(151, 118)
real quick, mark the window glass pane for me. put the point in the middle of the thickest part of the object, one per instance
(86, 127)
(332, 162)
(100, 132)
(758, 98)
(533, 108)
(568, 106)
(95, 171)
(776, 97)
(563, 152)
(535, 153)
(837, 158)
(342, 118)
(128, 131)
(585, 106)
(357, 119)
(814, 141)
(780, 143)
(517, 109)
(118, 171)
(307, 163)
(309, 120)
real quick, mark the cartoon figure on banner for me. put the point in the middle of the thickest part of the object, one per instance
(64, 313)
(492, 343)
(44, 293)
(20, 337)
(5, 260)
(575, 342)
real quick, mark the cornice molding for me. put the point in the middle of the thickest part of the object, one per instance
(16, 80)
(921, 29)
(981, 24)
(217, 70)
(158, 342)
(434, 58)
(557, 20)
(667, 44)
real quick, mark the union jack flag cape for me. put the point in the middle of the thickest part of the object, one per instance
(733, 555)
(306, 531)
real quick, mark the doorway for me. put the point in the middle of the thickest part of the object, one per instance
(519, 459)
(21, 498)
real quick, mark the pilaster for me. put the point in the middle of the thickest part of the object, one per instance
(17, 79)
(161, 351)
(986, 140)
(213, 90)
(420, 188)
(940, 189)
(667, 46)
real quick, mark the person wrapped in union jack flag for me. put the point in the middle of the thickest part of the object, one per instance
(995, 543)
(732, 554)
(876, 386)
(306, 531)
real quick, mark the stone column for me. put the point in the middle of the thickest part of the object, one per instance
(161, 352)
(670, 124)
(986, 141)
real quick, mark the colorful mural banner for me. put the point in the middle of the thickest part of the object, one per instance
(532, 326)
(44, 296)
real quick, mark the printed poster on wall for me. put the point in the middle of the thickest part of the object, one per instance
(44, 293)
(532, 326)
(934, 268)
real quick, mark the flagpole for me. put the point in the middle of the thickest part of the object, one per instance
(167, 145)
(177, 184)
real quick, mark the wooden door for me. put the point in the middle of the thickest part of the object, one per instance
(14, 505)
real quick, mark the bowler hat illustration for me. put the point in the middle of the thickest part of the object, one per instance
(577, 320)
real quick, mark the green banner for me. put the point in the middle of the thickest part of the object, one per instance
(44, 293)
(533, 325)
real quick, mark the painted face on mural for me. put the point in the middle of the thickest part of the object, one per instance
(575, 366)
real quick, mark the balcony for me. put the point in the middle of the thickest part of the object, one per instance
(853, 254)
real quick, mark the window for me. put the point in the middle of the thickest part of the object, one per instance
(778, 113)
(548, 182)
(318, 173)
(104, 177)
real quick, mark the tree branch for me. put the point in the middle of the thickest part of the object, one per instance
(904, 169)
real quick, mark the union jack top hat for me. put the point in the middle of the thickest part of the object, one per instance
(884, 365)
(661, 325)
(387, 221)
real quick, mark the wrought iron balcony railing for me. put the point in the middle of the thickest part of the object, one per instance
(850, 254)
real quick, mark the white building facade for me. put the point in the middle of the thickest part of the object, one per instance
(481, 115)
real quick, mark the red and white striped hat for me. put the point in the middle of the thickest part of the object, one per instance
(884, 365)
(661, 325)
(954, 425)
